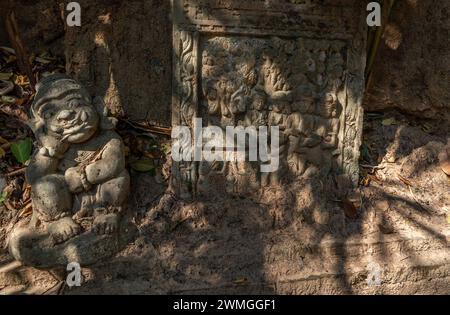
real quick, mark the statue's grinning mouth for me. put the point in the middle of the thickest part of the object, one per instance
(71, 131)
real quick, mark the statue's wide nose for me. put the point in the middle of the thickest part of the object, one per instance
(66, 114)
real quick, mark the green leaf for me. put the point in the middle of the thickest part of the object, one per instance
(166, 148)
(365, 152)
(3, 197)
(143, 166)
(389, 121)
(22, 149)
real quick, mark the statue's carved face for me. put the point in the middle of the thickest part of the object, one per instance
(70, 119)
(259, 102)
(331, 107)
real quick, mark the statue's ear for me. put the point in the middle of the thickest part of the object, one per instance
(106, 122)
(33, 124)
(37, 125)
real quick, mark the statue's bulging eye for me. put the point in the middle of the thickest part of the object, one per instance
(75, 104)
(49, 114)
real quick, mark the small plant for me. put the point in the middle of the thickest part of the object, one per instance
(166, 148)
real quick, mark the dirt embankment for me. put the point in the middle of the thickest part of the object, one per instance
(412, 71)
(132, 40)
(122, 51)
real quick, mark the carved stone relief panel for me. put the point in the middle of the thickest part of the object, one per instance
(298, 67)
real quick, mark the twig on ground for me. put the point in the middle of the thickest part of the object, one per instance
(16, 42)
(10, 267)
(26, 211)
(20, 171)
(9, 206)
(377, 167)
(57, 289)
(149, 128)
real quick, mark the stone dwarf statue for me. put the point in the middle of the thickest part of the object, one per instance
(78, 173)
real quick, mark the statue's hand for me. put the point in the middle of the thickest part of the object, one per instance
(53, 147)
(49, 152)
(73, 177)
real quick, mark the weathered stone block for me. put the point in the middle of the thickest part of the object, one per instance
(296, 66)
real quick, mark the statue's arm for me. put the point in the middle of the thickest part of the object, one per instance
(41, 164)
(109, 166)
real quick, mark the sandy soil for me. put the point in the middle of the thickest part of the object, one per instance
(265, 243)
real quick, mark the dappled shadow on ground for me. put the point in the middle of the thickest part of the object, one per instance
(275, 242)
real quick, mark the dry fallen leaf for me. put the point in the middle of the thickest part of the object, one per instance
(10, 59)
(365, 181)
(242, 280)
(5, 75)
(390, 157)
(26, 211)
(386, 228)
(20, 101)
(6, 87)
(22, 80)
(8, 50)
(9, 206)
(3, 140)
(392, 36)
(444, 160)
(26, 195)
(42, 60)
(349, 209)
(14, 111)
(374, 177)
(427, 127)
(389, 121)
(150, 155)
(405, 181)
(8, 99)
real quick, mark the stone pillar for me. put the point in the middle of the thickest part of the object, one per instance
(297, 65)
